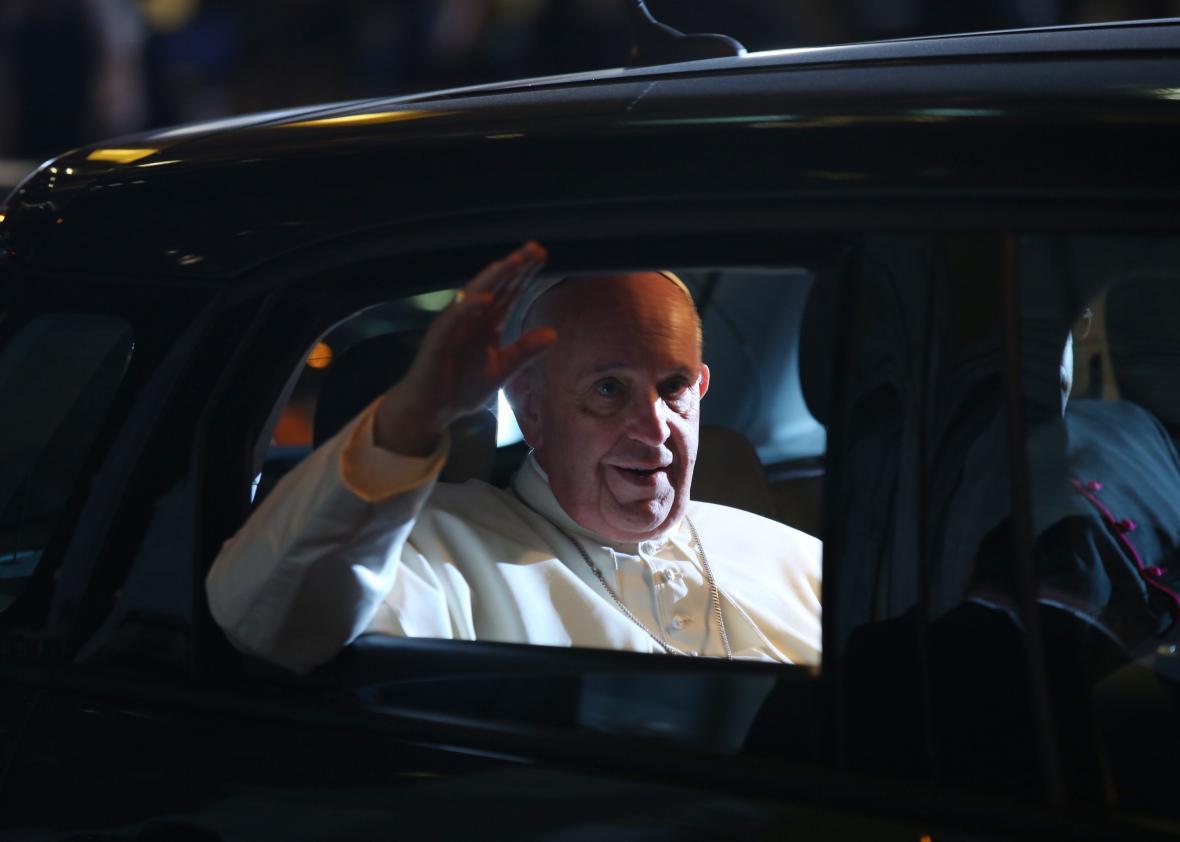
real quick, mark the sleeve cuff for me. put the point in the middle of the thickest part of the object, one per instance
(374, 474)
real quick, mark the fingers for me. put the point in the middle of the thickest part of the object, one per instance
(491, 293)
(481, 307)
(501, 306)
(508, 271)
(526, 261)
(524, 350)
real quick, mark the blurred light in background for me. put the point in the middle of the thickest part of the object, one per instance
(168, 15)
(320, 356)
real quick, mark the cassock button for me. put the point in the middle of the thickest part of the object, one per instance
(1154, 572)
(1094, 485)
(680, 621)
(1127, 525)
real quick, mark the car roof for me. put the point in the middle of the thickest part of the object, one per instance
(298, 176)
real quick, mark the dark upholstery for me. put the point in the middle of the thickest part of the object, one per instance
(358, 376)
(367, 369)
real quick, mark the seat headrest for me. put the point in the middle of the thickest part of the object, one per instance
(817, 347)
(1141, 319)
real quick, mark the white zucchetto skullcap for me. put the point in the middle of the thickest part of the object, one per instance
(541, 284)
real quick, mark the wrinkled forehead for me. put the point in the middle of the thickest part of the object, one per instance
(586, 292)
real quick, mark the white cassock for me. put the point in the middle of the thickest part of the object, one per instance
(358, 539)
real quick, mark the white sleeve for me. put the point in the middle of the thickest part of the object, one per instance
(309, 569)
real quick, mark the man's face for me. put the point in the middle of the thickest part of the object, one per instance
(612, 410)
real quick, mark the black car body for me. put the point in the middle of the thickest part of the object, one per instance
(158, 295)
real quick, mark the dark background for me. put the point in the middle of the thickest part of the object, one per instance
(75, 71)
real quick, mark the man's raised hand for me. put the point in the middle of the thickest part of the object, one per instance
(460, 363)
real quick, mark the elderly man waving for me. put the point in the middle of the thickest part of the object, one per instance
(596, 542)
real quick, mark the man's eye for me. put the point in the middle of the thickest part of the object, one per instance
(673, 388)
(608, 388)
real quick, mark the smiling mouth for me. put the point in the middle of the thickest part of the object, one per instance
(631, 484)
(641, 475)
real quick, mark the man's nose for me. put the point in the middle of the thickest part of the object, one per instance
(648, 420)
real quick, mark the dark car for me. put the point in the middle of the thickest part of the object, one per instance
(940, 285)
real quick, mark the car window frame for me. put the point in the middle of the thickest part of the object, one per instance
(325, 303)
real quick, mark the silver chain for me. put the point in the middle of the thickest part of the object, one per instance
(714, 593)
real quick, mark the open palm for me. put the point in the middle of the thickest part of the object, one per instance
(460, 363)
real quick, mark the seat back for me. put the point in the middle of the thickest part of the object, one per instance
(729, 472)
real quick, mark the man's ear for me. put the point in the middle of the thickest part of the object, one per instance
(522, 396)
(704, 380)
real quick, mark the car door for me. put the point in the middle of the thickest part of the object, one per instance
(90, 369)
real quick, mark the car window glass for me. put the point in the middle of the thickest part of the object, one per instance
(915, 394)
(1099, 322)
(918, 422)
(58, 374)
(972, 535)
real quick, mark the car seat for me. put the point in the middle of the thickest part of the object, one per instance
(729, 472)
